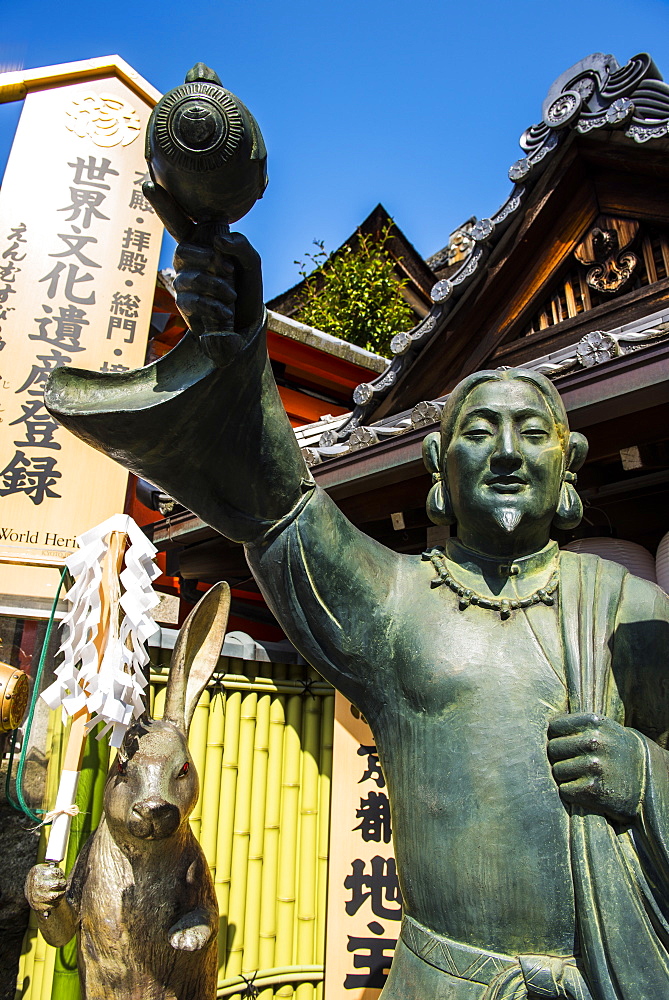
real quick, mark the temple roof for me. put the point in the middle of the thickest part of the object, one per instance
(596, 109)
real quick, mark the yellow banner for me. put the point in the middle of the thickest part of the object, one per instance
(79, 249)
(364, 902)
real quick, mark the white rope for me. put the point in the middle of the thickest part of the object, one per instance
(72, 810)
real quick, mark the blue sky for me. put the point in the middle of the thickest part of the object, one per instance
(417, 105)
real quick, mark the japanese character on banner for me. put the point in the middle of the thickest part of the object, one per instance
(39, 373)
(133, 263)
(138, 239)
(67, 328)
(91, 173)
(6, 292)
(373, 766)
(10, 258)
(378, 886)
(85, 206)
(40, 426)
(124, 310)
(374, 814)
(8, 272)
(369, 956)
(71, 280)
(75, 243)
(34, 476)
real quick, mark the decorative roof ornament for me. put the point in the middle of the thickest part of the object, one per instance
(595, 93)
(606, 253)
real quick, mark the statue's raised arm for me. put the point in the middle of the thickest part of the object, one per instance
(206, 424)
(212, 434)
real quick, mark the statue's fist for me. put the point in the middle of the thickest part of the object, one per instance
(597, 764)
(45, 887)
(219, 293)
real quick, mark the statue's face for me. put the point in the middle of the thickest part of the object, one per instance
(504, 468)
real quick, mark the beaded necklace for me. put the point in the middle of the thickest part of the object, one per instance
(543, 595)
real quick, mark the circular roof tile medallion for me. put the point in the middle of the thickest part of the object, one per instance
(620, 111)
(400, 343)
(564, 109)
(328, 439)
(519, 170)
(442, 290)
(363, 393)
(595, 348)
(482, 231)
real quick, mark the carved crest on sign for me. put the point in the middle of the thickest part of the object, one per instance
(105, 118)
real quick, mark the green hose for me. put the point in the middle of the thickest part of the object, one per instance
(21, 805)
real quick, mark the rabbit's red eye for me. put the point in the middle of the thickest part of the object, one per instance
(121, 765)
(184, 770)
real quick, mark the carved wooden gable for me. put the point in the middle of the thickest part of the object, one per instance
(580, 243)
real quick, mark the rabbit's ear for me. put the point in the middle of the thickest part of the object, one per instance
(196, 654)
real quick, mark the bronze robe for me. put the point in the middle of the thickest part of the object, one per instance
(220, 443)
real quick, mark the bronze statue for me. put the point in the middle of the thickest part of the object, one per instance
(140, 897)
(518, 695)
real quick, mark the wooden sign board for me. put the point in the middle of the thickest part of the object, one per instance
(79, 248)
(364, 901)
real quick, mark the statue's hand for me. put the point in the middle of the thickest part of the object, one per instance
(219, 293)
(218, 281)
(45, 887)
(597, 764)
(45, 890)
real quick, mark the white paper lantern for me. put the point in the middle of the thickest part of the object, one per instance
(631, 555)
(662, 564)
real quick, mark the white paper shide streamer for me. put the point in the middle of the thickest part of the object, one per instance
(112, 693)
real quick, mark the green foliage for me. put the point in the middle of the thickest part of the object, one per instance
(355, 294)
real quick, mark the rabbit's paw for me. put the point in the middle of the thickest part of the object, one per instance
(190, 933)
(45, 887)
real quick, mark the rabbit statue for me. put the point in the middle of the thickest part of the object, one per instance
(140, 897)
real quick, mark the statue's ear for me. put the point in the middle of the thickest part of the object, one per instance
(196, 654)
(431, 453)
(577, 451)
(438, 504)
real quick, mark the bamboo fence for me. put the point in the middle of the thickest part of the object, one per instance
(261, 739)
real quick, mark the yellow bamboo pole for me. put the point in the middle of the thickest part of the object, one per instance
(241, 834)
(325, 779)
(251, 956)
(52, 742)
(226, 819)
(290, 793)
(211, 782)
(269, 890)
(307, 889)
(38, 968)
(197, 744)
(43, 954)
(27, 961)
(267, 978)
(159, 702)
(47, 974)
(263, 685)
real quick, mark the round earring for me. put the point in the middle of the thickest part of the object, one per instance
(570, 507)
(438, 503)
